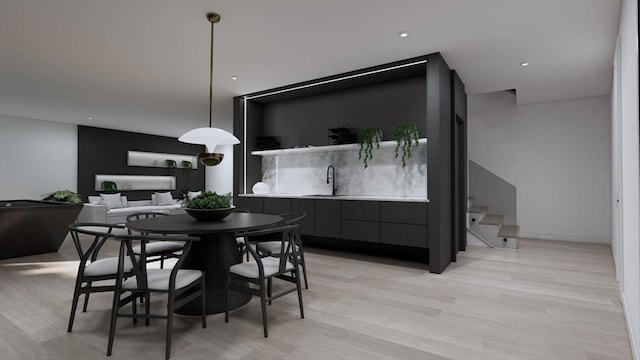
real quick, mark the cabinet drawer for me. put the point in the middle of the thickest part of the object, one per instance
(250, 203)
(368, 231)
(308, 207)
(327, 218)
(360, 210)
(404, 212)
(404, 234)
(277, 206)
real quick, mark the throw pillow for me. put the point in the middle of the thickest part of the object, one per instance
(165, 198)
(193, 194)
(95, 200)
(154, 200)
(124, 201)
(113, 201)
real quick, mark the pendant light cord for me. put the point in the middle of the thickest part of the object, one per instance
(211, 80)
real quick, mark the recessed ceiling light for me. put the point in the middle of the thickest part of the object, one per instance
(403, 34)
(234, 78)
(90, 118)
(523, 64)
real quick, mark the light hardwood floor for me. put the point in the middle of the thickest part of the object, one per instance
(546, 300)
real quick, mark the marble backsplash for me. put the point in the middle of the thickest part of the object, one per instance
(306, 173)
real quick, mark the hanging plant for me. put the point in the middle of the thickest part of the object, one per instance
(406, 135)
(367, 138)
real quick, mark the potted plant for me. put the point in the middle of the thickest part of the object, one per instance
(64, 196)
(170, 165)
(368, 138)
(209, 206)
(109, 186)
(406, 135)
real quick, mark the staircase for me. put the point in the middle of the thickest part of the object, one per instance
(491, 208)
(490, 228)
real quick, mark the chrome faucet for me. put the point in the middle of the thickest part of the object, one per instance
(332, 170)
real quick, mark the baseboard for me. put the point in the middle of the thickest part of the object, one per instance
(583, 239)
(633, 340)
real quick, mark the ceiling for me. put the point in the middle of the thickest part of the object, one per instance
(143, 65)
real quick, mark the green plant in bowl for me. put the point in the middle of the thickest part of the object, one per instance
(65, 196)
(209, 206)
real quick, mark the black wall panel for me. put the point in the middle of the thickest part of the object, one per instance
(306, 120)
(104, 151)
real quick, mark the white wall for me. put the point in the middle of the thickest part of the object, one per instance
(626, 169)
(36, 157)
(557, 154)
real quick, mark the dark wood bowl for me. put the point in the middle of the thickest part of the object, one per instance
(209, 214)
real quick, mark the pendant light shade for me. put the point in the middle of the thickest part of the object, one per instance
(210, 136)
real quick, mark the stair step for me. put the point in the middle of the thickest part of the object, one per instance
(478, 209)
(492, 220)
(509, 231)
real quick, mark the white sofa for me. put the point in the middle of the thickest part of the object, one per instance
(97, 211)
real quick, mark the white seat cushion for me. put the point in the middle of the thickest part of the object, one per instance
(158, 279)
(106, 266)
(157, 247)
(104, 229)
(250, 269)
(272, 247)
(134, 209)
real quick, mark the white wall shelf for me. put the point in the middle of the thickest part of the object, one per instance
(327, 148)
(137, 182)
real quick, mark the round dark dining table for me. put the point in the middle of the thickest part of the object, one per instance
(216, 251)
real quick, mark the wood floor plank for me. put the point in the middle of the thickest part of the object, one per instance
(545, 300)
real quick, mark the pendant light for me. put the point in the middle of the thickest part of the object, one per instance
(210, 136)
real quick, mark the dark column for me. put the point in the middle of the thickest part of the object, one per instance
(439, 167)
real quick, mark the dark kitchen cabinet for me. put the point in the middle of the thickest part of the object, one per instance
(327, 218)
(308, 207)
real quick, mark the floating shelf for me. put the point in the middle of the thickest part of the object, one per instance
(327, 148)
(137, 182)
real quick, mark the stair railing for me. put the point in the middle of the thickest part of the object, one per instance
(490, 190)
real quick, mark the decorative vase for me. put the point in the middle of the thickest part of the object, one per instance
(260, 188)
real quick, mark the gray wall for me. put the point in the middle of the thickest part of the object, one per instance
(557, 154)
(36, 157)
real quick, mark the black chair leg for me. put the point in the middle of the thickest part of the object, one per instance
(169, 326)
(203, 302)
(304, 270)
(134, 308)
(74, 303)
(263, 303)
(269, 284)
(147, 307)
(161, 261)
(297, 276)
(86, 297)
(114, 317)
(226, 297)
